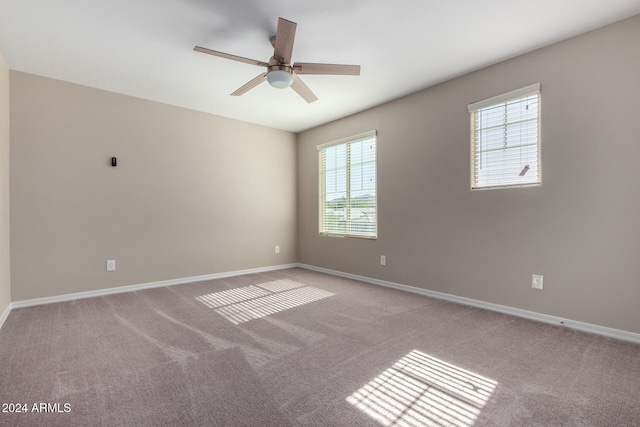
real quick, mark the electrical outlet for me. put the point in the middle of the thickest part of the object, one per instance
(536, 282)
(277, 249)
(111, 265)
(383, 260)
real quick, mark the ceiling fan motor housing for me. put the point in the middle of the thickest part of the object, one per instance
(280, 76)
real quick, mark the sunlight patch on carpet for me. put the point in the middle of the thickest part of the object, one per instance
(281, 285)
(420, 390)
(254, 302)
(231, 296)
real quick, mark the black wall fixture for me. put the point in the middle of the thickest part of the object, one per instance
(113, 161)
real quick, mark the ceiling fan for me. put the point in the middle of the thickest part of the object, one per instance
(280, 72)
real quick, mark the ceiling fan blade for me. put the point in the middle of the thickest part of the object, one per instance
(335, 69)
(302, 89)
(285, 35)
(229, 56)
(250, 84)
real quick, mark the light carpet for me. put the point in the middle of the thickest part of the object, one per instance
(301, 348)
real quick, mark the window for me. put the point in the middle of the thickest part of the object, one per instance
(348, 187)
(505, 139)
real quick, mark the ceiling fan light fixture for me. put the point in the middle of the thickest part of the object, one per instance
(280, 77)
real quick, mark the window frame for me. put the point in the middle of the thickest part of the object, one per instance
(322, 222)
(505, 98)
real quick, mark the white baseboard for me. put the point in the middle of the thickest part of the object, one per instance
(4, 315)
(131, 288)
(545, 318)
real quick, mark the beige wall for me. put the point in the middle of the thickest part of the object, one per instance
(581, 229)
(5, 278)
(192, 194)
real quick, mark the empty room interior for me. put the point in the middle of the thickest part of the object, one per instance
(404, 214)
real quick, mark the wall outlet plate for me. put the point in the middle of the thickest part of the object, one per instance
(536, 282)
(111, 265)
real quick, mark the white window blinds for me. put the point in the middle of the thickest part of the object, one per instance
(505, 139)
(348, 200)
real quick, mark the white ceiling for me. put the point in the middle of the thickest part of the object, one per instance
(144, 48)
